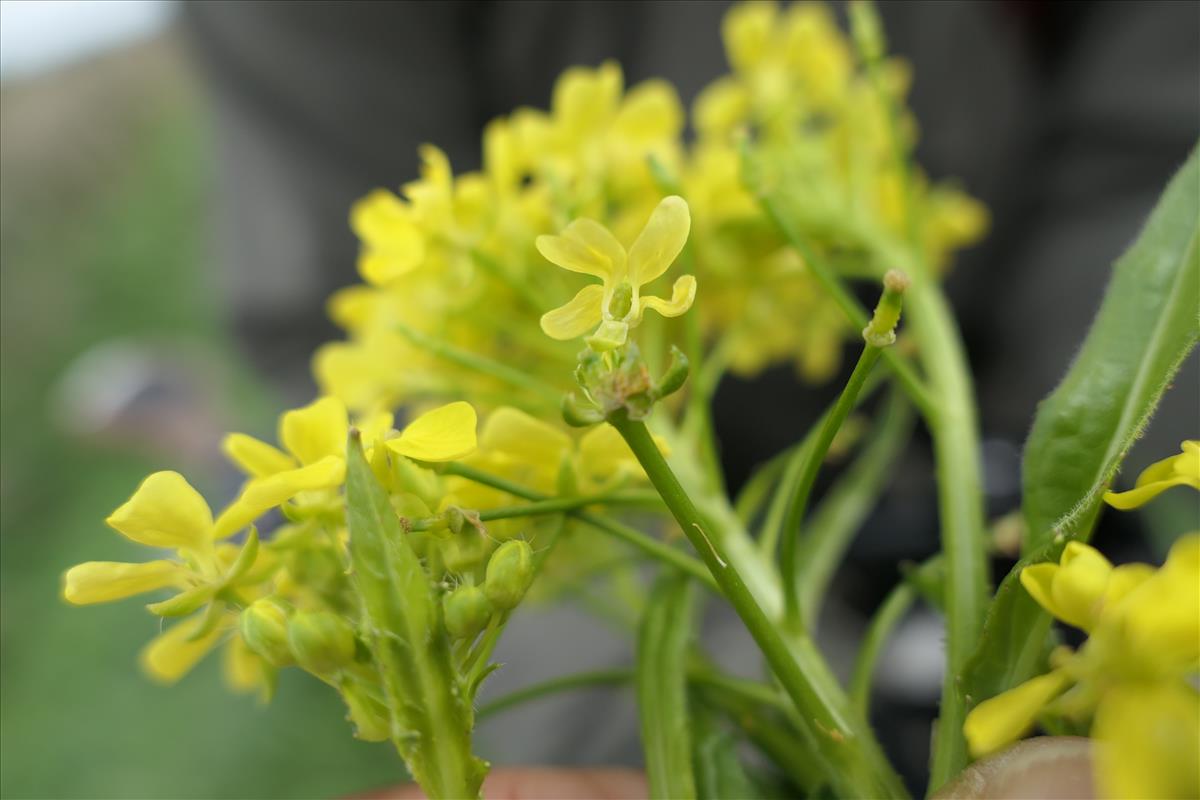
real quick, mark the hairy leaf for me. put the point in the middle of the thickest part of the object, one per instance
(1146, 325)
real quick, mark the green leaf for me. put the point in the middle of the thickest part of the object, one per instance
(1014, 645)
(662, 689)
(1146, 326)
(431, 719)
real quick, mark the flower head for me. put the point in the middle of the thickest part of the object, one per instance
(1132, 674)
(617, 304)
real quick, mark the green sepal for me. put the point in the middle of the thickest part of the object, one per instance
(245, 558)
(183, 603)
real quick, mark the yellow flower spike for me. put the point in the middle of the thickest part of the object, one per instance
(1149, 741)
(165, 511)
(392, 244)
(1180, 470)
(1003, 719)
(173, 653)
(443, 434)
(1073, 589)
(104, 581)
(315, 431)
(586, 246)
(651, 113)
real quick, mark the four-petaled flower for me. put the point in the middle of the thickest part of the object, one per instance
(617, 305)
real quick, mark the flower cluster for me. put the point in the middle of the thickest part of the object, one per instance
(1134, 676)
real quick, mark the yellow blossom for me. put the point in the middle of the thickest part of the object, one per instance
(1134, 669)
(617, 304)
(314, 438)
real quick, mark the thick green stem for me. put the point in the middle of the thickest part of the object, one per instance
(648, 545)
(960, 506)
(798, 502)
(857, 765)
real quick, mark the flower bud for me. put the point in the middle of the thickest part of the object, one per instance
(321, 641)
(467, 609)
(264, 627)
(509, 573)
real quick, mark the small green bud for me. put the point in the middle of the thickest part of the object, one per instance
(675, 376)
(466, 610)
(264, 626)
(321, 641)
(509, 573)
(881, 330)
(580, 413)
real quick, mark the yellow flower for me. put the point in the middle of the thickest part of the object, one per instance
(314, 438)
(1180, 470)
(392, 243)
(617, 305)
(1134, 669)
(165, 511)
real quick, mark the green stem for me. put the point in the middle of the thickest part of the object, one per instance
(582, 680)
(845, 507)
(890, 612)
(477, 363)
(858, 767)
(793, 462)
(556, 505)
(662, 643)
(803, 489)
(648, 545)
(898, 601)
(960, 507)
(854, 311)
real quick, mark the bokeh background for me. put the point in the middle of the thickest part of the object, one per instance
(163, 265)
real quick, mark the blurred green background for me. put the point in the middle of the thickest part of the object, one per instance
(105, 237)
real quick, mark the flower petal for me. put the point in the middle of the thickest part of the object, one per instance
(443, 434)
(1037, 580)
(392, 242)
(172, 654)
(579, 316)
(586, 246)
(1178, 470)
(315, 431)
(1078, 587)
(683, 294)
(255, 457)
(103, 581)
(262, 494)
(513, 434)
(1149, 735)
(165, 511)
(660, 241)
(1004, 718)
